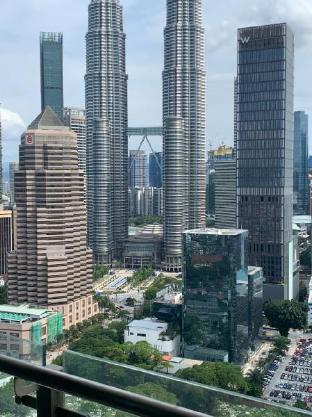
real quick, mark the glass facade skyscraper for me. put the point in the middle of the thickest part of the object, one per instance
(264, 114)
(155, 169)
(137, 169)
(301, 169)
(51, 71)
(184, 118)
(107, 123)
(215, 275)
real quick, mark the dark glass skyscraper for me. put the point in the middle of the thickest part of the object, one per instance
(215, 275)
(51, 71)
(265, 90)
(301, 169)
(155, 169)
(137, 169)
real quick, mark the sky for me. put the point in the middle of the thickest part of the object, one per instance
(22, 20)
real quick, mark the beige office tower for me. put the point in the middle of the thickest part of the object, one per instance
(51, 266)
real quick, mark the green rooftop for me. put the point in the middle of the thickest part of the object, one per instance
(21, 313)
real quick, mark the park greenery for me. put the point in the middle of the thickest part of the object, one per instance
(160, 283)
(104, 302)
(222, 375)
(286, 315)
(145, 220)
(99, 271)
(3, 294)
(108, 343)
(139, 276)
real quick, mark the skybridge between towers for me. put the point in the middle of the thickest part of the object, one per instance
(145, 133)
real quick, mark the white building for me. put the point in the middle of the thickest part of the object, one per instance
(155, 333)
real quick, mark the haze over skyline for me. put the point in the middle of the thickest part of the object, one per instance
(144, 21)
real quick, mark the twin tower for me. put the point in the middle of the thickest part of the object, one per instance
(184, 110)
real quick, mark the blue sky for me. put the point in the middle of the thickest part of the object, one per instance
(22, 20)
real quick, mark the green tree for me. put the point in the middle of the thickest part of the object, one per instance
(99, 271)
(3, 294)
(8, 407)
(218, 374)
(301, 404)
(155, 391)
(286, 315)
(281, 345)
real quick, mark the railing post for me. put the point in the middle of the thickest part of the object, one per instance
(48, 400)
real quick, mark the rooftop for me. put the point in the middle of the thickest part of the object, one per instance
(214, 231)
(150, 324)
(21, 313)
(47, 120)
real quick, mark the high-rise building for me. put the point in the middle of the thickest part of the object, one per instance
(215, 275)
(137, 169)
(225, 194)
(6, 239)
(1, 167)
(155, 169)
(265, 92)
(301, 169)
(145, 201)
(107, 122)
(75, 119)
(51, 266)
(184, 92)
(13, 167)
(51, 71)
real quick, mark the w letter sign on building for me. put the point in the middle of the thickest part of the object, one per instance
(245, 39)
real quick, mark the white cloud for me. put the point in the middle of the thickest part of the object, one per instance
(12, 127)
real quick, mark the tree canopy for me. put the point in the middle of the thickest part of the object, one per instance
(286, 315)
(218, 374)
(281, 345)
(108, 343)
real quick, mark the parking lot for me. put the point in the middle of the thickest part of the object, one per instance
(289, 378)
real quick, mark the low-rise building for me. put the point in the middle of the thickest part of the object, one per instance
(155, 332)
(144, 248)
(23, 327)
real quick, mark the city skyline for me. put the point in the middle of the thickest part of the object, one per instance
(21, 95)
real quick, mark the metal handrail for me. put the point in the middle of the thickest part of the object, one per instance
(92, 391)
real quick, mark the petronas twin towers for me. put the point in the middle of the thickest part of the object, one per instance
(184, 128)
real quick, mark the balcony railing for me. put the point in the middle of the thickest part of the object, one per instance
(50, 386)
(106, 383)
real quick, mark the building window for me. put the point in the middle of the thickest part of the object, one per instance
(132, 334)
(77, 316)
(44, 330)
(89, 311)
(141, 335)
(14, 334)
(70, 308)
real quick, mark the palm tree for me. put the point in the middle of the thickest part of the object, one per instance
(255, 376)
